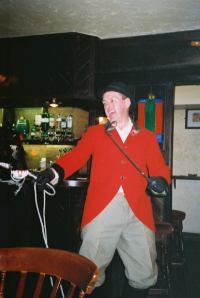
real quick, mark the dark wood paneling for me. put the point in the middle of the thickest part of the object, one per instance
(149, 59)
(74, 66)
(84, 66)
(57, 65)
(42, 65)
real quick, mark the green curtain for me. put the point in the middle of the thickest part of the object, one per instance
(150, 114)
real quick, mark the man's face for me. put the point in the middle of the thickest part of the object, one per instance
(116, 106)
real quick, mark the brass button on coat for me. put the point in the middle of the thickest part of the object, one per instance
(123, 161)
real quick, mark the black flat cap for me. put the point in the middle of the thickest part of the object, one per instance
(118, 87)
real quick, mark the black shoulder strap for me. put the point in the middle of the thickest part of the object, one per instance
(108, 129)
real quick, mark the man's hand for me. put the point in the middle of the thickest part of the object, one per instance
(44, 177)
(51, 175)
(157, 186)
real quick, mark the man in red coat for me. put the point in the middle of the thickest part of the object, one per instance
(118, 212)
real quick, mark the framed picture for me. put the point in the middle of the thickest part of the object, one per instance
(192, 118)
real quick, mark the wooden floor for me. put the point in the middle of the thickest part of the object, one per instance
(185, 278)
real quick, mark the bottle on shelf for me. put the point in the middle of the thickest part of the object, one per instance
(43, 163)
(38, 133)
(63, 127)
(58, 129)
(69, 133)
(13, 129)
(51, 132)
(33, 133)
(22, 127)
(45, 124)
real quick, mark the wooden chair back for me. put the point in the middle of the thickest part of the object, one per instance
(80, 272)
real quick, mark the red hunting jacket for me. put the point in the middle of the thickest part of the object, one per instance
(110, 169)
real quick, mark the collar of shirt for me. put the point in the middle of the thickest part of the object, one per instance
(124, 132)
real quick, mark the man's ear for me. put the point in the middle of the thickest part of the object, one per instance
(128, 102)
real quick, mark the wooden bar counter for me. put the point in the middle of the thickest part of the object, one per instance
(20, 221)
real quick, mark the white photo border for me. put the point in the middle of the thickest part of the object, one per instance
(192, 118)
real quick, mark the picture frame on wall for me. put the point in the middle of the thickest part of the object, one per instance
(192, 118)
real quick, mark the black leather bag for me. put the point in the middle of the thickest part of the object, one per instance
(157, 186)
(158, 190)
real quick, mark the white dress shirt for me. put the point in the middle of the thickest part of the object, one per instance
(123, 133)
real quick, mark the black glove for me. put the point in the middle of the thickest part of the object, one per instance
(157, 186)
(45, 177)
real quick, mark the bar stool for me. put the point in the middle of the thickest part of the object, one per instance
(178, 259)
(163, 286)
(178, 256)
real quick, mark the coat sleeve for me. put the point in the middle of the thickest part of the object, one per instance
(155, 162)
(80, 154)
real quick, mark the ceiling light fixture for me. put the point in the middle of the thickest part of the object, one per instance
(195, 43)
(2, 78)
(53, 103)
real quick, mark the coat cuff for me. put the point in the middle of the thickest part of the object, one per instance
(59, 170)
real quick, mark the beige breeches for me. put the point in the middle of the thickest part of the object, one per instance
(116, 227)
